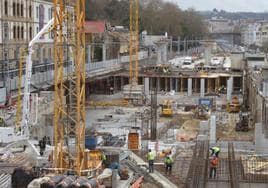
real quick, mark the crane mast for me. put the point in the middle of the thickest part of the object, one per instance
(133, 41)
(69, 117)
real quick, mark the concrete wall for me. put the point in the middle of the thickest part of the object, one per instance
(238, 61)
(260, 140)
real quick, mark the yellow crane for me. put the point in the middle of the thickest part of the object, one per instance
(74, 111)
(134, 40)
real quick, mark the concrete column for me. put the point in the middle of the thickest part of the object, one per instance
(159, 55)
(166, 85)
(171, 84)
(213, 129)
(146, 86)
(158, 84)
(170, 47)
(190, 87)
(176, 85)
(202, 87)
(104, 52)
(230, 82)
(88, 54)
(209, 85)
(165, 52)
(179, 45)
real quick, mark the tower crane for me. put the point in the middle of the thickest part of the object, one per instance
(74, 111)
(134, 40)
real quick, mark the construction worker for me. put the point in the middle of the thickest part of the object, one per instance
(168, 162)
(213, 166)
(150, 158)
(215, 150)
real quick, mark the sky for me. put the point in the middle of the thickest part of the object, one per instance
(228, 5)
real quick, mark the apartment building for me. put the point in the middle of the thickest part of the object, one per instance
(20, 21)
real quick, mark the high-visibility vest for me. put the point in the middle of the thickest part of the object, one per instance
(216, 149)
(168, 160)
(150, 156)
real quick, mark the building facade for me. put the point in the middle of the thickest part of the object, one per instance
(20, 21)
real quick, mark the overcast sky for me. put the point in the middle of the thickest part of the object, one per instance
(228, 5)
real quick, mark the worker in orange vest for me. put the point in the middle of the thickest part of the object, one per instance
(213, 166)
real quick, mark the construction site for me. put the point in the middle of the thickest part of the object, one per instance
(85, 123)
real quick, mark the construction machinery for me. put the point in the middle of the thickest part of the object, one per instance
(243, 124)
(166, 108)
(234, 106)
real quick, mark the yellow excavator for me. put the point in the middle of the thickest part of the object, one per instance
(166, 108)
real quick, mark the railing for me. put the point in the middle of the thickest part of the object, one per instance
(47, 77)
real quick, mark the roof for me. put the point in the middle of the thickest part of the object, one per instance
(94, 26)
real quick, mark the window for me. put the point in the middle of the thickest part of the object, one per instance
(18, 32)
(6, 31)
(6, 8)
(44, 53)
(22, 32)
(30, 11)
(14, 9)
(30, 33)
(14, 32)
(37, 12)
(18, 9)
(5, 55)
(21, 10)
(49, 13)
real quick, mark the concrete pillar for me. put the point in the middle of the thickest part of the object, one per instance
(104, 52)
(171, 84)
(209, 85)
(158, 84)
(166, 84)
(202, 87)
(230, 82)
(179, 45)
(150, 84)
(190, 87)
(146, 86)
(88, 54)
(159, 55)
(176, 86)
(165, 52)
(213, 129)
